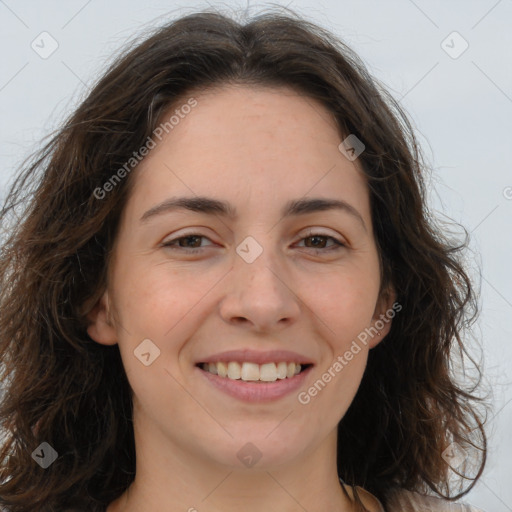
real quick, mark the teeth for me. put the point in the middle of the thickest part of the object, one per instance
(268, 372)
(281, 370)
(250, 371)
(234, 370)
(222, 369)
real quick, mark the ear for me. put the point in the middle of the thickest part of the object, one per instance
(101, 328)
(385, 310)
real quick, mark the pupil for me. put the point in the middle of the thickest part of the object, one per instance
(188, 238)
(318, 238)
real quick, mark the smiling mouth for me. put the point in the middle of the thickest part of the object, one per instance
(253, 372)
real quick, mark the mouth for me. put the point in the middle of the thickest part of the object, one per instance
(247, 371)
(251, 376)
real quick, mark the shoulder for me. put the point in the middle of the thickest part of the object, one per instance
(401, 499)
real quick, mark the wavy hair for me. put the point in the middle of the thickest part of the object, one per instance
(61, 387)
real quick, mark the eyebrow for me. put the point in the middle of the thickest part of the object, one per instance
(211, 206)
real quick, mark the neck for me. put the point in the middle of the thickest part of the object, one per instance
(172, 478)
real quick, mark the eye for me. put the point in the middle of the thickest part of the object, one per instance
(318, 240)
(191, 243)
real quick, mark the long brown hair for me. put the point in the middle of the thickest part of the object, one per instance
(62, 388)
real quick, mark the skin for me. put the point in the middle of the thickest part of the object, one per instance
(256, 148)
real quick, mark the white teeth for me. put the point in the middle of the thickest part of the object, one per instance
(222, 369)
(281, 370)
(234, 370)
(250, 371)
(268, 372)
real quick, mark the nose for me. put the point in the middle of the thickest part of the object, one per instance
(260, 295)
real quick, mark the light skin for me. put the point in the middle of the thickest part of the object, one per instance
(256, 148)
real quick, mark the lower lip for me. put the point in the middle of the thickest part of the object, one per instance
(256, 391)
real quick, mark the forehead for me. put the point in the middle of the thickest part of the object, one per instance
(272, 142)
(246, 119)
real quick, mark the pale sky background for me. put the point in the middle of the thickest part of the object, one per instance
(461, 106)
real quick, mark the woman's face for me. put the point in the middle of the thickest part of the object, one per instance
(253, 280)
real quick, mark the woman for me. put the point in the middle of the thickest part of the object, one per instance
(298, 355)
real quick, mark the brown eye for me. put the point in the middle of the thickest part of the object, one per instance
(318, 242)
(189, 243)
(192, 240)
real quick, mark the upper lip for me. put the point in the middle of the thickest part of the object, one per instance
(253, 356)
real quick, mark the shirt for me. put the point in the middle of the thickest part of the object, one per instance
(407, 501)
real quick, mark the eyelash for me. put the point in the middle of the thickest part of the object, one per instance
(172, 243)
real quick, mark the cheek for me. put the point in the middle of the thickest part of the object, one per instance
(155, 300)
(344, 301)
(164, 305)
(156, 312)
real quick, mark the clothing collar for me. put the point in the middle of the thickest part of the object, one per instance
(369, 500)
